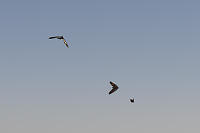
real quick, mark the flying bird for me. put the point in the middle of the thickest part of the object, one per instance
(61, 38)
(132, 100)
(114, 87)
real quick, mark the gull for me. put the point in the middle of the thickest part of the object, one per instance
(61, 38)
(132, 100)
(114, 87)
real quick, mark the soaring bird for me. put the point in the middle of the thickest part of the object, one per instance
(132, 100)
(114, 87)
(61, 38)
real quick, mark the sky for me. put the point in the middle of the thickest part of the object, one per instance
(149, 48)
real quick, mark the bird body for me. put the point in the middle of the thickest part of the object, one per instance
(114, 87)
(132, 100)
(61, 38)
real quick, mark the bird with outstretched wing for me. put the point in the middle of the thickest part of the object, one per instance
(114, 87)
(61, 38)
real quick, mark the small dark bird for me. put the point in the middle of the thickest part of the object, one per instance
(132, 100)
(61, 38)
(114, 87)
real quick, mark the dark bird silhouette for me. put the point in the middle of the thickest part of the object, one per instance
(132, 100)
(61, 38)
(114, 87)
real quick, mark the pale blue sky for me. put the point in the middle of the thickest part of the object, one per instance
(150, 48)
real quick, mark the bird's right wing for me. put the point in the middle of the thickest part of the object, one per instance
(113, 90)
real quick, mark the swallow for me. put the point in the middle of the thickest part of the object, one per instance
(132, 100)
(61, 38)
(114, 87)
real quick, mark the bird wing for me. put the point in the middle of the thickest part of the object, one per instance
(52, 37)
(65, 42)
(114, 87)
(58, 37)
(113, 90)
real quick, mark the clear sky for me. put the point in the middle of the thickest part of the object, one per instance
(150, 48)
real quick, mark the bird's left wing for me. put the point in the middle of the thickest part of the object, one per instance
(113, 85)
(65, 42)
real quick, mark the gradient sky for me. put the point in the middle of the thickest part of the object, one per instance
(150, 48)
